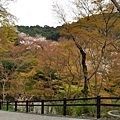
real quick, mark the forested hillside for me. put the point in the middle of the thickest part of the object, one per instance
(53, 70)
(78, 59)
(50, 33)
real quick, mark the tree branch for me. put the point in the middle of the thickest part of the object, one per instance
(116, 5)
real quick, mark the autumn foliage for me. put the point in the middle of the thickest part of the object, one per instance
(83, 62)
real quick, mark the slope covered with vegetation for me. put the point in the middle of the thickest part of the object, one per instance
(82, 61)
(50, 33)
(54, 69)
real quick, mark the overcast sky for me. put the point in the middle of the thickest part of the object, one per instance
(34, 12)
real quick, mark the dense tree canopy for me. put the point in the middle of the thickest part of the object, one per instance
(82, 61)
(50, 33)
(90, 32)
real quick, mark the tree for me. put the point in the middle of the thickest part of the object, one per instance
(6, 17)
(8, 34)
(7, 29)
(6, 73)
(69, 68)
(50, 33)
(17, 81)
(27, 62)
(116, 5)
(47, 57)
(87, 32)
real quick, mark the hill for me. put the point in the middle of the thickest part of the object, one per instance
(54, 33)
(48, 69)
(50, 33)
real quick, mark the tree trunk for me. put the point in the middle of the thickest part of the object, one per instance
(84, 66)
(85, 72)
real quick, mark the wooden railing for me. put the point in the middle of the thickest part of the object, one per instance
(64, 103)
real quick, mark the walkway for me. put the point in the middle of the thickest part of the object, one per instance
(5, 115)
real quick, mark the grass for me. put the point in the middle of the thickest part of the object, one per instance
(10, 108)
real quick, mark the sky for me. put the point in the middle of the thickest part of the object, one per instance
(34, 12)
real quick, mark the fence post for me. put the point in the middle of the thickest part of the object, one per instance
(7, 106)
(64, 106)
(42, 107)
(15, 106)
(26, 106)
(0, 105)
(98, 106)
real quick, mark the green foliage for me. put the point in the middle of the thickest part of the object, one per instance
(50, 33)
(10, 108)
(7, 36)
(45, 76)
(83, 111)
(7, 66)
(27, 65)
(40, 75)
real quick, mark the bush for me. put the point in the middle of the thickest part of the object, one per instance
(10, 108)
(77, 110)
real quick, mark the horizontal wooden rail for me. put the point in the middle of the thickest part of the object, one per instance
(64, 103)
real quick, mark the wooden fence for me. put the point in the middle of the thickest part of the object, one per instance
(64, 103)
